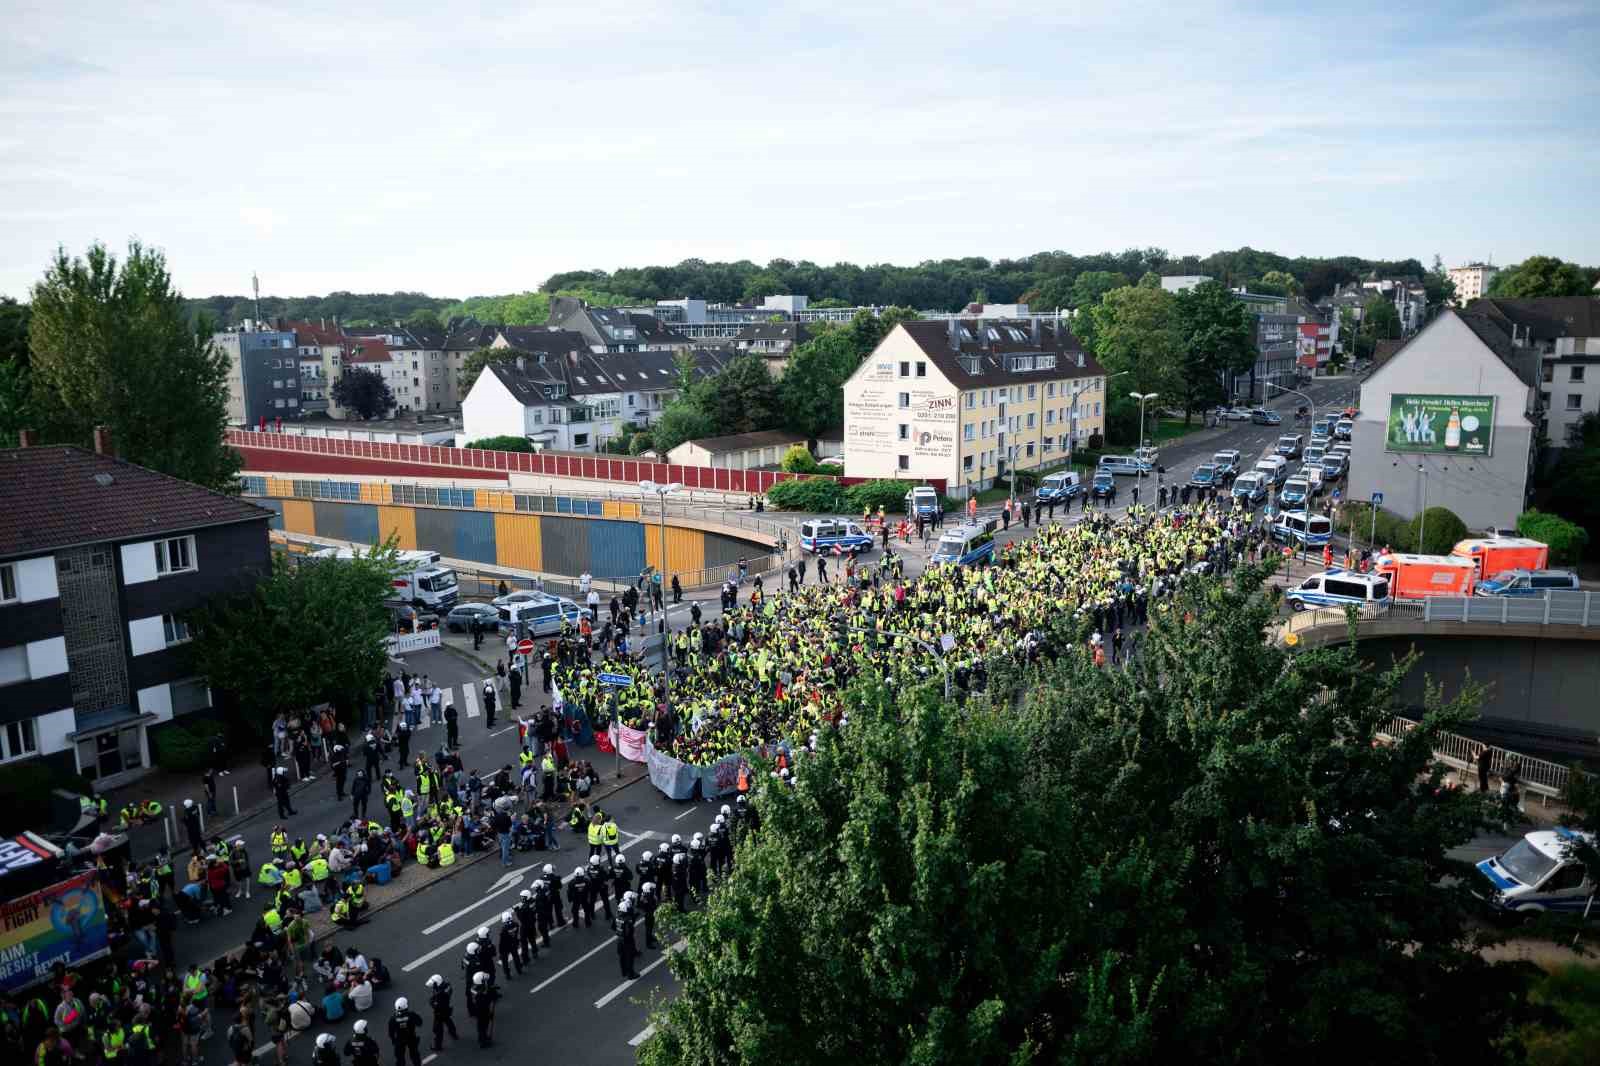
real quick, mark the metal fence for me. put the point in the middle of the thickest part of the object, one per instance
(1548, 779)
(1553, 608)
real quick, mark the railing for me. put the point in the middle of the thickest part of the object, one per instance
(1553, 608)
(1548, 779)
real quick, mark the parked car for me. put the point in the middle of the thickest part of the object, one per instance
(1263, 417)
(1227, 461)
(1289, 446)
(1233, 414)
(1333, 467)
(460, 618)
(1251, 487)
(1343, 428)
(1204, 476)
(1529, 583)
(1123, 464)
(1149, 454)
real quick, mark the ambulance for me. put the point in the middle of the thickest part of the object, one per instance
(1495, 555)
(1413, 578)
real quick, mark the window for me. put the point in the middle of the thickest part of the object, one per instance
(175, 556)
(1577, 374)
(966, 462)
(580, 440)
(905, 369)
(1548, 373)
(1031, 392)
(18, 741)
(1544, 399)
(8, 582)
(14, 664)
(905, 400)
(1030, 419)
(1004, 393)
(922, 370)
(1097, 409)
(905, 462)
(1574, 401)
(1050, 390)
(1564, 879)
(188, 695)
(969, 432)
(176, 629)
(1049, 443)
(1030, 450)
(972, 400)
(905, 431)
(1050, 417)
(277, 383)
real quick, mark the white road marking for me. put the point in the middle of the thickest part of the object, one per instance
(623, 987)
(638, 1038)
(442, 922)
(507, 729)
(430, 1058)
(573, 965)
(685, 814)
(469, 696)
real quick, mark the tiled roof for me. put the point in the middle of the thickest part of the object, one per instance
(367, 350)
(309, 333)
(542, 339)
(58, 496)
(1546, 319)
(735, 442)
(940, 340)
(470, 338)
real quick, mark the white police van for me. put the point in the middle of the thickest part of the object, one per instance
(922, 502)
(1059, 487)
(1338, 587)
(1538, 873)
(824, 535)
(1301, 527)
(971, 545)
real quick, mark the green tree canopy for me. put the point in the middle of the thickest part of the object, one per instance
(1379, 320)
(1208, 856)
(741, 397)
(502, 444)
(1541, 275)
(113, 344)
(1216, 334)
(1135, 329)
(475, 363)
(311, 632)
(364, 392)
(425, 320)
(1284, 281)
(16, 401)
(680, 421)
(1091, 285)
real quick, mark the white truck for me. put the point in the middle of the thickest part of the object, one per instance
(421, 582)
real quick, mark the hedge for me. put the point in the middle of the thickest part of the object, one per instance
(25, 794)
(813, 495)
(1568, 540)
(870, 495)
(184, 746)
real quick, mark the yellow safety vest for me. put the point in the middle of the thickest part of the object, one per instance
(319, 869)
(422, 852)
(447, 854)
(525, 757)
(270, 874)
(594, 834)
(195, 985)
(407, 808)
(273, 919)
(280, 841)
(358, 893)
(341, 910)
(611, 832)
(291, 879)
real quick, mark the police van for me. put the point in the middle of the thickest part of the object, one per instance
(1538, 873)
(824, 535)
(1337, 587)
(1059, 487)
(1301, 527)
(536, 614)
(922, 502)
(970, 545)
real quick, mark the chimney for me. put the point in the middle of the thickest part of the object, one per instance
(522, 364)
(955, 333)
(102, 442)
(1036, 340)
(27, 438)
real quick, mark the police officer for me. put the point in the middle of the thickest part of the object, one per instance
(481, 997)
(362, 1049)
(553, 884)
(680, 880)
(648, 902)
(444, 1015)
(646, 868)
(360, 792)
(543, 909)
(600, 884)
(721, 847)
(627, 946)
(697, 866)
(325, 1053)
(486, 951)
(510, 944)
(472, 962)
(621, 876)
(527, 926)
(578, 894)
(405, 1032)
(339, 762)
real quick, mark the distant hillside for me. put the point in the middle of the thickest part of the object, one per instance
(350, 308)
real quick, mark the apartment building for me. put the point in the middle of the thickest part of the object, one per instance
(100, 561)
(967, 400)
(263, 373)
(1564, 334)
(1472, 281)
(612, 329)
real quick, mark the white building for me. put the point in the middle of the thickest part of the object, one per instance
(737, 451)
(1472, 281)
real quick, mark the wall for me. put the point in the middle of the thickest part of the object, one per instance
(874, 420)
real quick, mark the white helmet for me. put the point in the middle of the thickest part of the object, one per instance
(189, 804)
(325, 1040)
(483, 932)
(340, 747)
(629, 896)
(648, 888)
(676, 840)
(506, 919)
(480, 978)
(525, 894)
(726, 810)
(647, 855)
(619, 861)
(402, 1004)
(435, 981)
(371, 739)
(548, 869)
(577, 871)
(594, 860)
(718, 820)
(472, 949)
(360, 1027)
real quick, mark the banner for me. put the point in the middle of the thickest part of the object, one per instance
(721, 777)
(64, 923)
(674, 779)
(1447, 425)
(630, 741)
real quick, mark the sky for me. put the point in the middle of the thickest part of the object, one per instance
(463, 149)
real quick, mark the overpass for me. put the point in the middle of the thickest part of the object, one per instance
(1538, 658)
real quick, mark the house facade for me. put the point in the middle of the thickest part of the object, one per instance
(1564, 331)
(100, 561)
(263, 374)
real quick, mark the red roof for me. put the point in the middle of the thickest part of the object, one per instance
(367, 350)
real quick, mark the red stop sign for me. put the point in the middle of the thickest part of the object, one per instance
(525, 646)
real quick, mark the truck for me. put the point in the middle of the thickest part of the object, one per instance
(421, 581)
(1495, 555)
(52, 911)
(922, 502)
(1413, 578)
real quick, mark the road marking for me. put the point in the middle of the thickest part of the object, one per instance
(430, 1058)
(685, 814)
(569, 967)
(442, 922)
(638, 1038)
(469, 696)
(623, 987)
(507, 729)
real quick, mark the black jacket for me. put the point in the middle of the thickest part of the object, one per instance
(405, 1027)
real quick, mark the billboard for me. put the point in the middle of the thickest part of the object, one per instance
(64, 923)
(1447, 425)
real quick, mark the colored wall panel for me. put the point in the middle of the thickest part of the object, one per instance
(565, 543)
(616, 549)
(516, 541)
(276, 506)
(723, 551)
(298, 517)
(402, 523)
(354, 522)
(619, 509)
(474, 537)
(685, 550)
(436, 530)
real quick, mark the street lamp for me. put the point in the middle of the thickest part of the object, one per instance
(1311, 406)
(1138, 456)
(662, 491)
(1422, 515)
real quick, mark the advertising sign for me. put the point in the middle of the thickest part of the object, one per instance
(64, 923)
(1448, 425)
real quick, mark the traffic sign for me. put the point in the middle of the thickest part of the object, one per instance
(1377, 497)
(620, 680)
(525, 646)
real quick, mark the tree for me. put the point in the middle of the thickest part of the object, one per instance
(680, 421)
(1379, 320)
(1438, 287)
(1136, 330)
(1216, 335)
(425, 320)
(1540, 275)
(1567, 540)
(1091, 285)
(1178, 861)
(809, 392)
(502, 444)
(363, 391)
(16, 400)
(1442, 527)
(315, 627)
(798, 460)
(684, 370)
(742, 397)
(112, 344)
(1283, 280)
(475, 364)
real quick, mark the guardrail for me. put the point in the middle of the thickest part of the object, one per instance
(1580, 609)
(1547, 779)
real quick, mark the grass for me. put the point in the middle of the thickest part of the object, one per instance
(1573, 993)
(1169, 429)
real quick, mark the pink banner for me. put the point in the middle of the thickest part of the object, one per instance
(630, 741)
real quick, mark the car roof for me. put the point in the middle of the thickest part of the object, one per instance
(1352, 575)
(1553, 843)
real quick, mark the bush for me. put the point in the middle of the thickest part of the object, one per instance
(870, 495)
(184, 746)
(502, 444)
(1567, 540)
(1026, 479)
(1096, 442)
(815, 495)
(1391, 529)
(1442, 528)
(798, 460)
(641, 442)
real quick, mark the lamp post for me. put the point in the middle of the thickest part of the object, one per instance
(1142, 397)
(1422, 515)
(662, 491)
(1311, 406)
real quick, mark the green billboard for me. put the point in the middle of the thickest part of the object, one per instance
(1448, 425)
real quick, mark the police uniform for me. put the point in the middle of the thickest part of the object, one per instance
(579, 895)
(444, 1015)
(405, 1033)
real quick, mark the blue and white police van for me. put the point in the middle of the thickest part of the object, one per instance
(1538, 873)
(1059, 487)
(922, 502)
(969, 545)
(1339, 587)
(822, 536)
(1302, 527)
